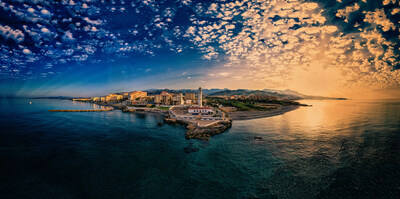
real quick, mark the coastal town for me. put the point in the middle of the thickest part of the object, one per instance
(202, 116)
(190, 109)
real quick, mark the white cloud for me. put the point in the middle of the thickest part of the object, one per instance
(45, 30)
(15, 34)
(94, 22)
(68, 36)
(26, 51)
(31, 10)
(45, 12)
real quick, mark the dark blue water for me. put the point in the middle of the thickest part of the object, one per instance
(335, 149)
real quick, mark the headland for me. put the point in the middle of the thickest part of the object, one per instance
(203, 116)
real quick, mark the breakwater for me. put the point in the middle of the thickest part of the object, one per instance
(90, 110)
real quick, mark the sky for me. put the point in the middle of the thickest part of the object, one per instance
(340, 48)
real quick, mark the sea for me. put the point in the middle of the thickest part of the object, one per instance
(332, 149)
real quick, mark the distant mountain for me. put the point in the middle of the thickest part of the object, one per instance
(184, 91)
(286, 92)
(294, 95)
(246, 92)
(290, 94)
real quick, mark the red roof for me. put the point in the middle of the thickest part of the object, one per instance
(200, 108)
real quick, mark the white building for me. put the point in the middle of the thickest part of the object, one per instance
(203, 110)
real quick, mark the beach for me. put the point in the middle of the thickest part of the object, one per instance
(247, 115)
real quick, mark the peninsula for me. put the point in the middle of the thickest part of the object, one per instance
(203, 115)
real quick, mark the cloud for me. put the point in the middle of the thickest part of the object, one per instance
(45, 13)
(259, 41)
(8, 33)
(26, 51)
(68, 36)
(344, 13)
(276, 38)
(387, 2)
(378, 17)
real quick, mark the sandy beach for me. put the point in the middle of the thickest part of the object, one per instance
(247, 115)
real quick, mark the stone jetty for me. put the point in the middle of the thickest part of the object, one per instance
(90, 110)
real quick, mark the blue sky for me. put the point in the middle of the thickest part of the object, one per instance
(94, 47)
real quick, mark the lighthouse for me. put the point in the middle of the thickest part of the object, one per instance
(200, 98)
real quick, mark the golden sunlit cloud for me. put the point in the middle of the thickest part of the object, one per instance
(280, 48)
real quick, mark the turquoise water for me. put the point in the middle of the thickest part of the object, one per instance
(335, 149)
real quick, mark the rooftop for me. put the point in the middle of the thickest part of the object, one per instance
(196, 107)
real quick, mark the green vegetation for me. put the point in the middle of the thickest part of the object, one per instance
(240, 105)
(152, 106)
(163, 108)
(248, 104)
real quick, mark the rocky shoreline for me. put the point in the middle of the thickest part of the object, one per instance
(196, 132)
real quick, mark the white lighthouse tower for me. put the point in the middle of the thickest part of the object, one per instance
(200, 98)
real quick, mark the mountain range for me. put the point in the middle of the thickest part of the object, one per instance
(291, 94)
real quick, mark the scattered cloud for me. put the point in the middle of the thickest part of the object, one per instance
(378, 17)
(262, 41)
(8, 33)
(345, 12)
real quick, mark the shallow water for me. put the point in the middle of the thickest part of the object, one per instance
(334, 149)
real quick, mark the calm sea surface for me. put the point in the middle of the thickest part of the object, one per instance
(335, 149)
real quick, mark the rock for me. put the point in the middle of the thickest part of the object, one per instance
(203, 133)
(258, 138)
(190, 149)
(128, 110)
(170, 120)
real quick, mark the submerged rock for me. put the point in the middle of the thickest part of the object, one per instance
(258, 138)
(190, 149)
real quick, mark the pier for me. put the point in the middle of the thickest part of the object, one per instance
(90, 110)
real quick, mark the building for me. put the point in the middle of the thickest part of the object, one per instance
(166, 98)
(137, 94)
(114, 97)
(177, 99)
(203, 110)
(188, 102)
(157, 99)
(102, 99)
(200, 109)
(96, 99)
(126, 95)
(190, 96)
(119, 97)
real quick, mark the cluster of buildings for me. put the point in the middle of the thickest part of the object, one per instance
(142, 98)
(188, 107)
